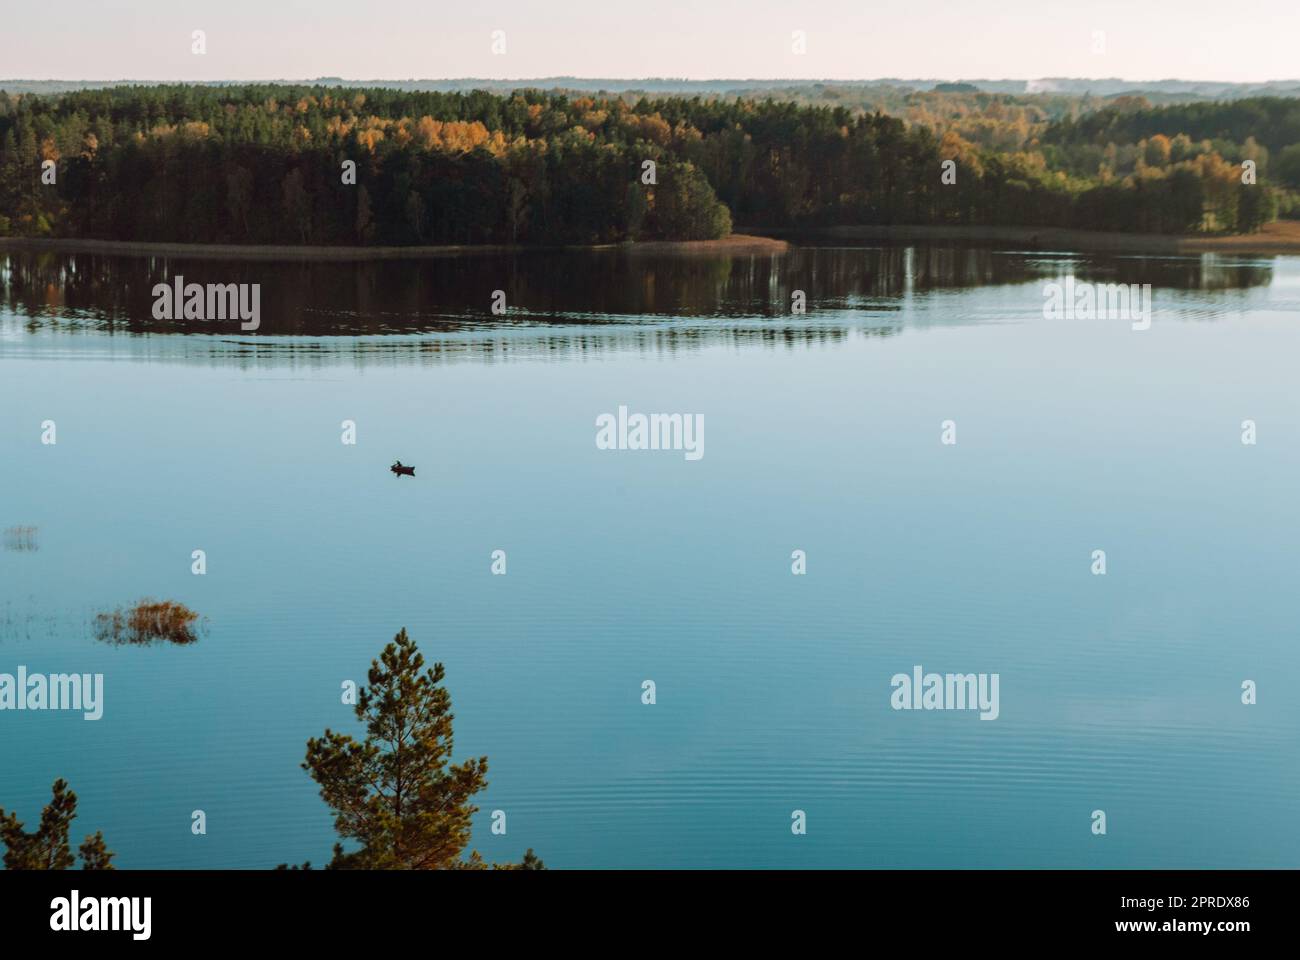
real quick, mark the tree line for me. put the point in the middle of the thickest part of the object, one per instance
(267, 163)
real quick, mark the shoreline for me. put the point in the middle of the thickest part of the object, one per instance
(1279, 237)
(736, 243)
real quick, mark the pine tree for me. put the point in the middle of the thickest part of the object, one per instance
(94, 855)
(47, 848)
(396, 793)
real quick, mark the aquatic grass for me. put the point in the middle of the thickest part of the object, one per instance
(21, 539)
(148, 621)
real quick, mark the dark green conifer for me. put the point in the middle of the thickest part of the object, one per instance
(47, 848)
(397, 794)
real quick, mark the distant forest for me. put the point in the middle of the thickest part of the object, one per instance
(263, 164)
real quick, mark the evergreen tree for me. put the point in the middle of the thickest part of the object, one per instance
(396, 793)
(47, 848)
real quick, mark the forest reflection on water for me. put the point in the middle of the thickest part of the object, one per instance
(560, 303)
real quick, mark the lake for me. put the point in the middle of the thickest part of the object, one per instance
(824, 433)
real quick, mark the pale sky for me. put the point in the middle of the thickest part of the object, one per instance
(696, 39)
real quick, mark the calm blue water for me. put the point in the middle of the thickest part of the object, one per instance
(1119, 692)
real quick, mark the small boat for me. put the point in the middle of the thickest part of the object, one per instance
(400, 469)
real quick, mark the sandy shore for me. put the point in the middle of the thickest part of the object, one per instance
(737, 243)
(1280, 237)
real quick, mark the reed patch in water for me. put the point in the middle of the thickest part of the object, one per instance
(148, 621)
(22, 539)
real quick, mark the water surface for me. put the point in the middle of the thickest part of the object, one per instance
(822, 433)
